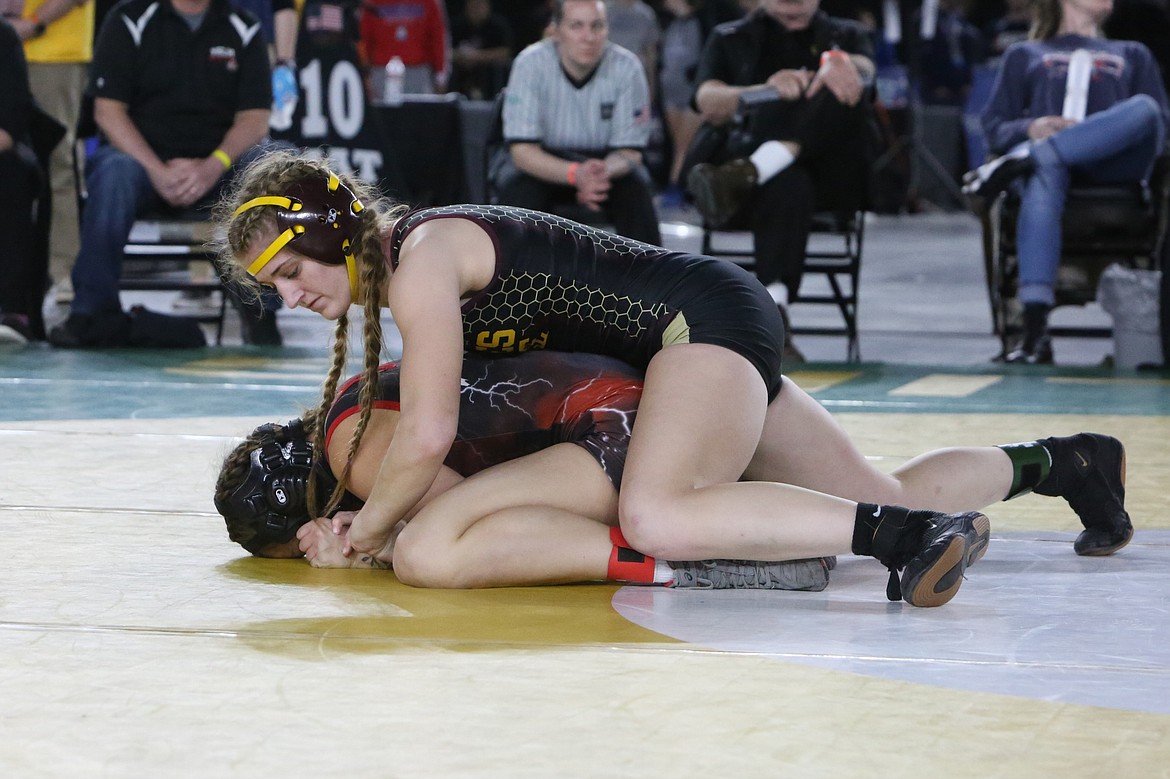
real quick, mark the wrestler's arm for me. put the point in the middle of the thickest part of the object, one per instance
(321, 546)
(438, 263)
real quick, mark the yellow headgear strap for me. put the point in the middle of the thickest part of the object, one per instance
(274, 247)
(278, 244)
(351, 267)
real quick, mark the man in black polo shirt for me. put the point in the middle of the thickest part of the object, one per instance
(182, 93)
(807, 146)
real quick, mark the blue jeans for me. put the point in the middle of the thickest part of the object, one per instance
(1117, 145)
(119, 191)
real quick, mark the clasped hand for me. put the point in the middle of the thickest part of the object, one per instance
(324, 548)
(592, 184)
(183, 180)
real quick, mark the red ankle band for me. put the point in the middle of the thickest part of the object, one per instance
(626, 565)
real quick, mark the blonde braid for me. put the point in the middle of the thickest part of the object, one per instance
(368, 242)
(328, 395)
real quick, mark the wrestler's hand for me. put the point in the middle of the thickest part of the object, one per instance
(1045, 126)
(322, 547)
(360, 540)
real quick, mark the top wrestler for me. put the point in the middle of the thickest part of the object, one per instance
(497, 279)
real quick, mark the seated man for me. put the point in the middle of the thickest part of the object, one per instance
(808, 147)
(22, 276)
(576, 116)
(181, 94)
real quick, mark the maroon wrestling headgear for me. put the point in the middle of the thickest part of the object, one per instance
(321, 219)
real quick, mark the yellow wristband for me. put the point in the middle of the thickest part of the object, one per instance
(223, 157)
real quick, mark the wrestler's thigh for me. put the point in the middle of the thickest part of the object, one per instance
(804, 445)
(700, 418)
(564, 477)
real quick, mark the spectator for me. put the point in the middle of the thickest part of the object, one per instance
(22, 277)
(482, 51)
(682, 42)
(633, 25)
(181, 95)
(1050, 132)
(415, 31)
(807, 148)
(278, 23)
(945, 59)
(577, 116)
(58, 45)
(1010, 28)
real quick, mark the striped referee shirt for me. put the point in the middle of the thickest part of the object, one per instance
(610, 110)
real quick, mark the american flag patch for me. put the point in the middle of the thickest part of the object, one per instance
(326, 17)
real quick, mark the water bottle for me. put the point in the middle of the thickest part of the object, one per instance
(393, 86)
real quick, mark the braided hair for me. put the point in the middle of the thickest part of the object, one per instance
(274, 174)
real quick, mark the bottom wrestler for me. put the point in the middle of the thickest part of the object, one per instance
(542, 517)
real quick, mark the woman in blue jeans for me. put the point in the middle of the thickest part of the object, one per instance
(1047, 140)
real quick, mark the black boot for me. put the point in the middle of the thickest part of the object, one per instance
(721, 190)
(1036, 348)
(932, 550)
(1088, 470)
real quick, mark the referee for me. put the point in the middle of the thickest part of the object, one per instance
(576, 118)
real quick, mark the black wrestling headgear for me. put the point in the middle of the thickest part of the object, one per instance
(273, 497)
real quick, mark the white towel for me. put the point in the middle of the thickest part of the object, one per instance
(929, 19)
(1076, 88)
(892, 21)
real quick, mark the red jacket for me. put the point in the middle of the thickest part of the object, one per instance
(415, 30)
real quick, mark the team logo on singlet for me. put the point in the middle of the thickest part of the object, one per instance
(507, 341)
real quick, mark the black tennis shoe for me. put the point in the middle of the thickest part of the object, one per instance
(720, 191)
(991, 178)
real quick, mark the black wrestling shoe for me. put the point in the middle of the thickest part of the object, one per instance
(950, 544)
(721, 190)
(991, 178)
(1039, 353)
(1094, 489)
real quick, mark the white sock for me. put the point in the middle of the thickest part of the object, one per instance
(663, 573)
(771, 158)
(779, 293)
